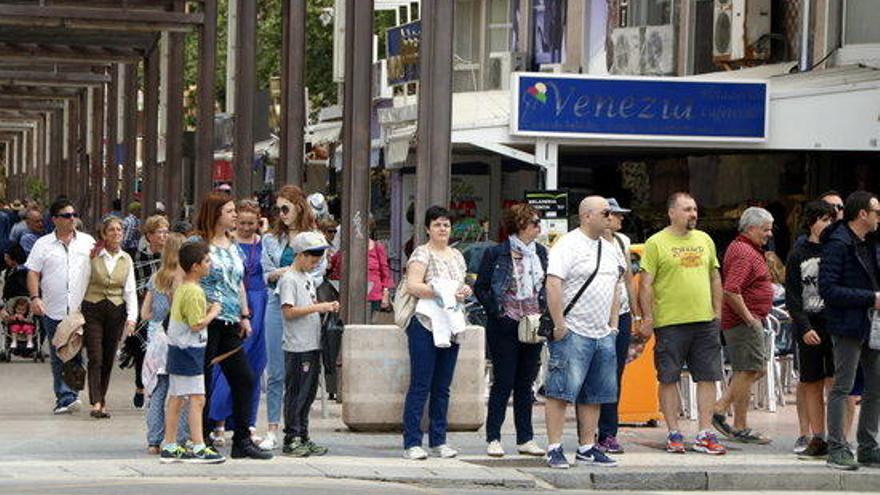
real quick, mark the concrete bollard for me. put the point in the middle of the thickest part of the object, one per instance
(375, 378)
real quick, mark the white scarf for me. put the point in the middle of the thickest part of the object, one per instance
(528, 282)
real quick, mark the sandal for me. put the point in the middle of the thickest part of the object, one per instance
(746, 435)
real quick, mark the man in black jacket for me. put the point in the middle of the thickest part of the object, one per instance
(849, 283)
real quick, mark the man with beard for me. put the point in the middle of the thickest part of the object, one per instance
(681, 298)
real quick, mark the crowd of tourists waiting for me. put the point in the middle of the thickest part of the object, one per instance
(204, 310)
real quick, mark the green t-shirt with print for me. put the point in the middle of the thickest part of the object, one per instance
(682, 268)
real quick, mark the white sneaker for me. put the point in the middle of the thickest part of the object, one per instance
(270, 442)
(494, 449)
(415, 454)
(218, 437)
(445, 451)
(530, 448)
(75, 405)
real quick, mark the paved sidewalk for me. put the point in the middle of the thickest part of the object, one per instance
(34, 444)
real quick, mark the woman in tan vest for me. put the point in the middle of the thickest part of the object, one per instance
(109, 307)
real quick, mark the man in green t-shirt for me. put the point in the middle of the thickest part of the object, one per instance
(681, 302)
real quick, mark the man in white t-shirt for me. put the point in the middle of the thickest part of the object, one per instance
(582, 368)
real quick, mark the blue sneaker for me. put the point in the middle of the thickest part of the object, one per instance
(556, 459)
(596, 457)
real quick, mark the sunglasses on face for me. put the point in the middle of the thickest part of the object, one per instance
(605, 213)
(331, 231)
(838, 207)
(283, 209)
(316, 253)
(67, 215)
(535, 222)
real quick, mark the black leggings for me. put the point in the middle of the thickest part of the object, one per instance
(238, 374)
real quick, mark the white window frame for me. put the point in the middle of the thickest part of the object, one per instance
(853, 53)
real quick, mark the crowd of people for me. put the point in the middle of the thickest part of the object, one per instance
(204, 310)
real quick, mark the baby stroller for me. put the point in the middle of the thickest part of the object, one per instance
(14, 340)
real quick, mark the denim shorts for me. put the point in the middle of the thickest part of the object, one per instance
(582, 370)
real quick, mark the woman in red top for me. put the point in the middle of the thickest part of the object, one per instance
(379, 280)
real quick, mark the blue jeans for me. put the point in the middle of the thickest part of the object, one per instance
(431, 371)
(582, 370)
(608, 417)
(156, 415)
(64, 395)
(274, 330)
(514, 368)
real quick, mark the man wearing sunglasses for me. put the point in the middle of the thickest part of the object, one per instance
(63, 256)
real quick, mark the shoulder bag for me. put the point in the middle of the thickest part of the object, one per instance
(546, 325)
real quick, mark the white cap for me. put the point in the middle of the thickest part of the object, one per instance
(309, 241)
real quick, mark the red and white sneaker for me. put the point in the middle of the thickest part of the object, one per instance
(708, 443)
(675, 443)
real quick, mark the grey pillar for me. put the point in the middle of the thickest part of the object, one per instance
(57, 165)
(112, 168)
(356, 156)
(151, 131)
(129, 135)
(435, 109)
(205, 132)
(96, 163)
(245, 86)
(293, 102)
(174, 138)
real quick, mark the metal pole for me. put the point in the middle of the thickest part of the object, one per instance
(293, 101)
(56, 162)
(231, 54)
(435, 109)
(83, 169)
(205, 131)
(129, 136)
(805, 63)
(151, 131)
(112, 174)
(356, 157)
(97, 154)
(174, 125)
(245, 85)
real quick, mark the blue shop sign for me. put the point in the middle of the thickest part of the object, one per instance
(575, 106)
(402, 48)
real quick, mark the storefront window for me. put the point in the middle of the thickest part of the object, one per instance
(861, 22)
(645, 13)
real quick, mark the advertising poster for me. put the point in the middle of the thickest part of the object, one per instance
(552, 206)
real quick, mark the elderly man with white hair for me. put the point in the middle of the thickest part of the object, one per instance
(748, 298)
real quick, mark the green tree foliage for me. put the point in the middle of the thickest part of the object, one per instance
(319, 52)
(319, 49)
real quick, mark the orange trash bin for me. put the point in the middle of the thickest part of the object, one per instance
(639, 400)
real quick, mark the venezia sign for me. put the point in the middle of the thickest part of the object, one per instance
(575, 106)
